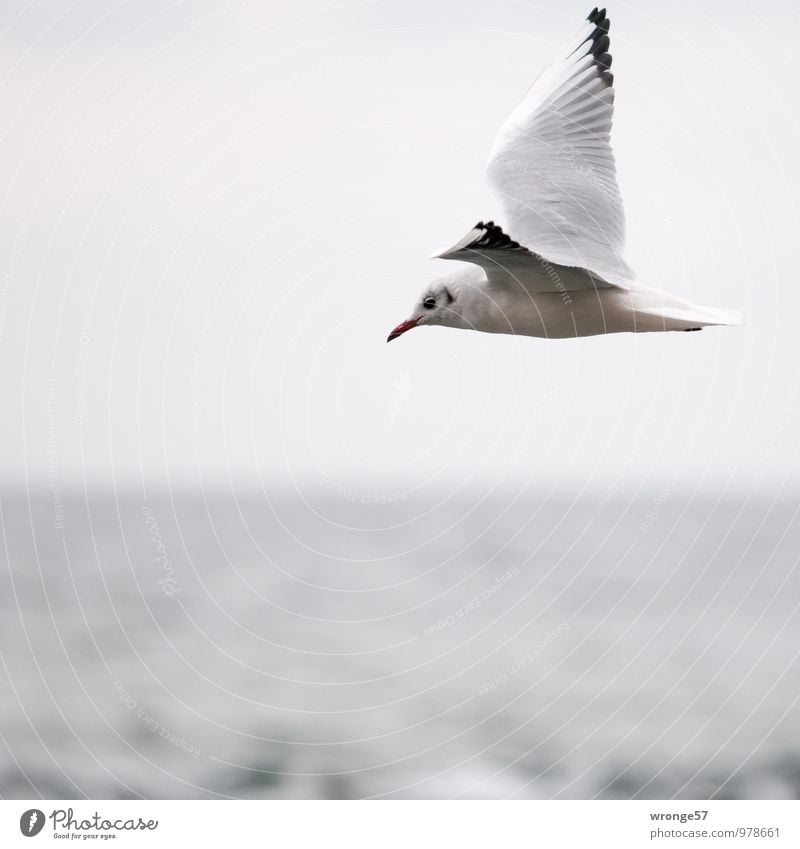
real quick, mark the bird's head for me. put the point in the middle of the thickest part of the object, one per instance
(438, 304)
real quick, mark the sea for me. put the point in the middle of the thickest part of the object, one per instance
(341, 642)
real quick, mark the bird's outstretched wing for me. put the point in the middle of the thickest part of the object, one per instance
(506, 262)
(552, 165)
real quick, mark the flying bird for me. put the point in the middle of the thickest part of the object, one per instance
(559, 271)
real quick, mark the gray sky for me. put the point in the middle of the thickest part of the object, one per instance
(212, 214)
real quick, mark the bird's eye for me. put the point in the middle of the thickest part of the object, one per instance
(429, 303)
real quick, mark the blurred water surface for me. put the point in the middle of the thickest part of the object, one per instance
(341, 644)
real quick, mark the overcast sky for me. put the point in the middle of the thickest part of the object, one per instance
(214, 212)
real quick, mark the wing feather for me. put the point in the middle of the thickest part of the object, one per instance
(552, 165)
(507, 263)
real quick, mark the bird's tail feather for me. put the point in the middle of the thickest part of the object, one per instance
(678, 318)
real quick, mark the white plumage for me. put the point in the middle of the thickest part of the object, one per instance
(553, 168)
(561, 269)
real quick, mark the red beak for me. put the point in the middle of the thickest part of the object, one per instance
(401, 328)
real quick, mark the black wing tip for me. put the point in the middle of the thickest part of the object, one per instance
(596, 16)
(599, 45)
(493, 238)
(482, 237)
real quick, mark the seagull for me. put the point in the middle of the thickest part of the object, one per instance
(559, 272)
